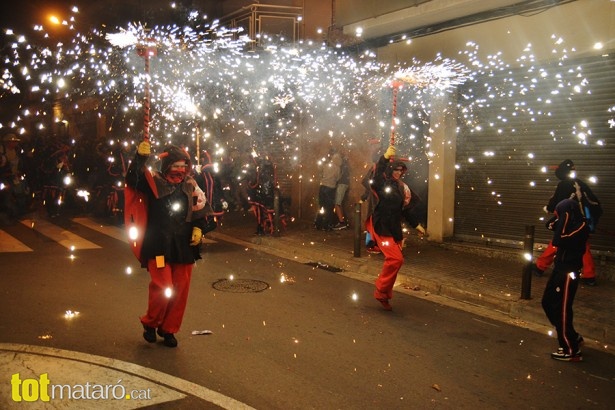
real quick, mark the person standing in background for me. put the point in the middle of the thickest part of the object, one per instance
(340, 194)
(326, 192)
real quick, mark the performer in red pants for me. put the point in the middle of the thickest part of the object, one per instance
(391, 202)
(176, 209)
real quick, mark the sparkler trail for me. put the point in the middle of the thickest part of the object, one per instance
(208, 76)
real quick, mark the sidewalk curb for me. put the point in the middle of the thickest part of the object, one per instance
(506, 308)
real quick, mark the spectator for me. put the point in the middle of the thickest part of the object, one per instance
(263, 189)
(326, 193)
(13, 198)
(176, 210)
(570, 233)
(340, 194)
(209, 181)
(571, 187)
(392, 199)
(374, 147)
(56, 170)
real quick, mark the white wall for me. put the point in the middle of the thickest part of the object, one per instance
(581, 24)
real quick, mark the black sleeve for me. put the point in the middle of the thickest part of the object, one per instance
(379, 172)
(410, 217)
(135, 175)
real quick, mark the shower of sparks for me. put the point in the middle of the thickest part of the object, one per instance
(443, 74)
(204, 73)
(213, 83)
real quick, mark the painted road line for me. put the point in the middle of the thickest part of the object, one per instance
(65, 238)
(11, 244)
(112, 231)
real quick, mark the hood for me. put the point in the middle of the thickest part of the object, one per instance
(562, 172)
(172, 154)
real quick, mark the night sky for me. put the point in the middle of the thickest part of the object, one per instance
(25, 14)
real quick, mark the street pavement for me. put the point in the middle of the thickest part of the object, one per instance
(486, 280)
(483, 280)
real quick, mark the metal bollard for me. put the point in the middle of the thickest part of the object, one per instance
(357, 230)
(528, 249)
(276, 213)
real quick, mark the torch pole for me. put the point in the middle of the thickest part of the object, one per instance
(396, 85)
(146, 103)
(198, 144)
(146, 50)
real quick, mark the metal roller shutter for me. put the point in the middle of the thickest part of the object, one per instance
(530, 120)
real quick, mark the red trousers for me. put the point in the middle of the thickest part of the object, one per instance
(168, 295)
(393, 260)
(545, 260)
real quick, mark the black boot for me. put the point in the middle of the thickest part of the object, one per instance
(169, 338)
(149, 334)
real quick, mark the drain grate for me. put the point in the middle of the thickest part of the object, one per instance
(240, 285)
(324, 266)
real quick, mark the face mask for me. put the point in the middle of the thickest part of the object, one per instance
(177, 172)
(175, 177)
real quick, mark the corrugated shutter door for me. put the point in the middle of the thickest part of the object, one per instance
(501, 183)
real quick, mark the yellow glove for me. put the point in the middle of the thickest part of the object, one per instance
(196, 236)
(390, 152)
(144, 149)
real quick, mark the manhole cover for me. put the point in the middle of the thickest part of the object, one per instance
(240, 285)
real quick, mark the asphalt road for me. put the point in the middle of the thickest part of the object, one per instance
(312, 339)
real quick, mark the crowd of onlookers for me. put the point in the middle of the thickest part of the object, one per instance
(56, 176)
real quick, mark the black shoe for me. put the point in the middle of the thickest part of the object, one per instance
(385, 304)
(169, 338)
(149, 334)
(340, 226)
(567, 357)
(536, 271)
(589, 281)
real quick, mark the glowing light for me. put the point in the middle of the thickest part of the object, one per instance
(527, 256)
(354, 296)
(129, 270)
(133, 233)
(70, 314)
(168, 292)
(82, 193)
